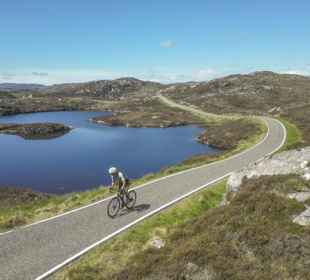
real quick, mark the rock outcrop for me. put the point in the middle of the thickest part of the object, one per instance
(295, 161)
(290, 162)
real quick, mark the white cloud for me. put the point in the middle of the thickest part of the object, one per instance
(167, 44)
(58, 77)
(303, 72)
(6, 77)
(73, 76)
(205, 74)
(41, 74)
(168, 77)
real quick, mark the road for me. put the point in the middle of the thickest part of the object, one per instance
(35, 251)
(196, 111)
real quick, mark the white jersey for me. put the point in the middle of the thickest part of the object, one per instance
(118, 178)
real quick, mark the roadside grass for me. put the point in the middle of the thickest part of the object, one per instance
(110, 257)
(26, 213)
(252, 237)
(294, 137)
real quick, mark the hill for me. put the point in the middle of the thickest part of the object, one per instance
(108, 89)
(15, 87)
(260, 93)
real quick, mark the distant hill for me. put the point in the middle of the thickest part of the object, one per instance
(252, 93)
(108, 89)
(15, 87)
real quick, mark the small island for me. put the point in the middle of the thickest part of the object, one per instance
(35, 130)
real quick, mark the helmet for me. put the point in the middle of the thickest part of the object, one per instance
(113, 170)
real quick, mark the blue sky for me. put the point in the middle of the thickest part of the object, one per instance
(173, 40)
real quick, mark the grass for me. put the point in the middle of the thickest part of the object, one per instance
(252, 237)
(294, 135)
(300, 117)
(31, 211)
(112, 256)
(36, 210)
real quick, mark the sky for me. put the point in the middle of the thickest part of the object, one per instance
(164, 40)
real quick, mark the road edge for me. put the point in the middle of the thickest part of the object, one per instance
(76, 256)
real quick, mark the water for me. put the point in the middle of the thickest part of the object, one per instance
(79, 160)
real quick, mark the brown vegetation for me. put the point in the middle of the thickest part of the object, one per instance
(148, 112)
(251, 238)
(12, 197)
(227, 135)
(259, 93)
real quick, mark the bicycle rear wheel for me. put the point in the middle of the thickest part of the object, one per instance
(130, 199)
(113, 207)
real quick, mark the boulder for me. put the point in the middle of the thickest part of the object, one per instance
(294, 161)
(157, 243)
(303, 218)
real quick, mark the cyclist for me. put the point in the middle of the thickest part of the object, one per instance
(118, 178)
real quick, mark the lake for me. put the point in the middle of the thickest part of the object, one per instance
(79, 160)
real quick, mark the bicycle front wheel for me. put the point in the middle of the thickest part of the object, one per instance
(130, 199)
(113, 207)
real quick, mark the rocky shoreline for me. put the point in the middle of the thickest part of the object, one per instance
(35, 130)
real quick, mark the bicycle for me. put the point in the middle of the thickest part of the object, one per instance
(123, 199)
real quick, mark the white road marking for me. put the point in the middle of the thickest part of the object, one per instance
(74, 257)
(126, 227)
(151, 182)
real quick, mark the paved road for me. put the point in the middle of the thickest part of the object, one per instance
(28, 253)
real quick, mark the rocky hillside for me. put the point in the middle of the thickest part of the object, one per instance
(287, 96)
(107, 89)
(261, 232)
(257, 92)
(291, 162)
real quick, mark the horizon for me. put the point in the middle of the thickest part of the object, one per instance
(72, 42)
(163, 83)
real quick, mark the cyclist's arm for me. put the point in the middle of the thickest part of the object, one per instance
(113, 182)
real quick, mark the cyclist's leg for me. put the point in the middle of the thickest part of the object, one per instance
(121, 193)
(126, 186)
